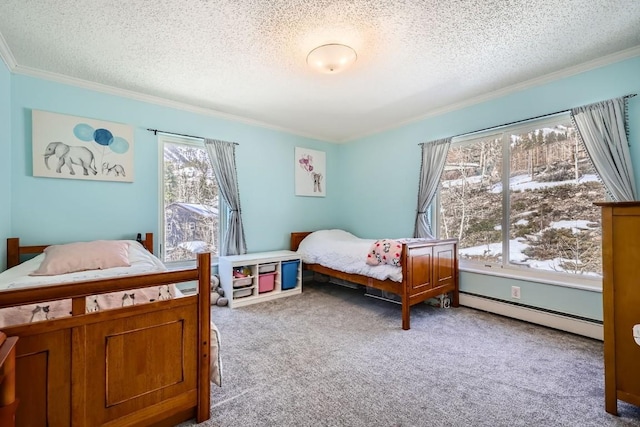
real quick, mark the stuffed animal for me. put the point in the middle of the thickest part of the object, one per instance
(215, 281)
(217, 296)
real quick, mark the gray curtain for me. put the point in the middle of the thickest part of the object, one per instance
(602, 128)
(434, 156)
(222, 155)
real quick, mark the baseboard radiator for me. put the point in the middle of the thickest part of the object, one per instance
(576, 325)
(579, 326)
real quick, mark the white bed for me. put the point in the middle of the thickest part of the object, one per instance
(413, 269)
(343, 251)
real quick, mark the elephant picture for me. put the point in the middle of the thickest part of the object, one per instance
(70, 155)
(81, 148)
(116, 170)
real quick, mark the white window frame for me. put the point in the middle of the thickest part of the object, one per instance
(223, 208)
(506, 269)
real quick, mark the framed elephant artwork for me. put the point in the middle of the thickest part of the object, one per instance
(311, 173)
(80, 148)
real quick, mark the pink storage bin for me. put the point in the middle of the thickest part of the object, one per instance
(266, 282)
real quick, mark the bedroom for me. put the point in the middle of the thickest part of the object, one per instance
(265, 170)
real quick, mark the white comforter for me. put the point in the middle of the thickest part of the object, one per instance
(342, 251)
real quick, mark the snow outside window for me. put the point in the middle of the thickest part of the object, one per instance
(190, 201)
(526, 191)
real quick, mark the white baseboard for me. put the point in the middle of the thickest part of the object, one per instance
(552, 320)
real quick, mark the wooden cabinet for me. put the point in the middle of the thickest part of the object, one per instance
(8, 402)
(252, 278)
(621, 302)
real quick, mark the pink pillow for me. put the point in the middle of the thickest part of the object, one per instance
(81, 256)
(385, 251)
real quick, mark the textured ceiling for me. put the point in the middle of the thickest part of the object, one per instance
(247, 58)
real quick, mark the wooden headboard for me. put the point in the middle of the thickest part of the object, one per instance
(15, 251)
(296, 238)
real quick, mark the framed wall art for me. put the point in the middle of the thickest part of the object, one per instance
(311, 174)
(79, 148)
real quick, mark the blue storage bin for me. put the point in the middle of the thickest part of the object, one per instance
(290, 274)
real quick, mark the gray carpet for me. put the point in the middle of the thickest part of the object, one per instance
(333, 357)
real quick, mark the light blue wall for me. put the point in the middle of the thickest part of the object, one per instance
(63, 210)
(371, 185)
(5, 161)
(379, 173)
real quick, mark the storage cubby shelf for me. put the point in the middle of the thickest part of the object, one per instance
(268, 276)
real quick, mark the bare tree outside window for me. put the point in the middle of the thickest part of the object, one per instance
(470, 206)
(551, 187)
(191, 203)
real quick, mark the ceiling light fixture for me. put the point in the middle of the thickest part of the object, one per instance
(331, 58)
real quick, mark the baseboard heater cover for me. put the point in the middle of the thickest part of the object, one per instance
(591, 329)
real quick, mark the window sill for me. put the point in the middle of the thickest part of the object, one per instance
(187, 265)
(585, 284)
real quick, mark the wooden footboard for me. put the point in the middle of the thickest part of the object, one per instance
(429, 269)
(141, 365)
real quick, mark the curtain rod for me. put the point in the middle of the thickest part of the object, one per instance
(518, 121)
(156, 131)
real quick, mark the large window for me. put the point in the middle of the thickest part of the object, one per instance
(190, 202)
(526, 191)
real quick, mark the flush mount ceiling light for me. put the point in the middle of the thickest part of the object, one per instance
(331, 58)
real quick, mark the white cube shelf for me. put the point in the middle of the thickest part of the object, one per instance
(272, 266)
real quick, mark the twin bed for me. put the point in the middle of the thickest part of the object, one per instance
(123, 348)
(427, 268)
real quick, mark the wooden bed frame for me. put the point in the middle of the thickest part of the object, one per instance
(141, 365)
(429, 268)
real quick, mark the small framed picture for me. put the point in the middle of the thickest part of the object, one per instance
(310, 172)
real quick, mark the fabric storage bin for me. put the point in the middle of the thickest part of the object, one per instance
(266, 282)
(290, 274)
(243, 293)
(241, 283)
(267, 268)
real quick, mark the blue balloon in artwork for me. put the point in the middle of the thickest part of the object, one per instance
(103, 137)
(83, 132)
(119, 145)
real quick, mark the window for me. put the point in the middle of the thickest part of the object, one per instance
(190, 201)
(526, 191)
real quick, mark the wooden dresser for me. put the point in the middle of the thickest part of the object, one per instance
(8, 402)
(621, 302)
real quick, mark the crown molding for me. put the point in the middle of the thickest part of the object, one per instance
(8, 58)
(6, 55)
(151, 99)
(537, 81)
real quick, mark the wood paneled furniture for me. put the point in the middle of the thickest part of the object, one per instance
(621, 302)
(8, 401)
(429, 268)
(140, 365)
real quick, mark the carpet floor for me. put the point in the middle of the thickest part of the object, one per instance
(334, 357)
